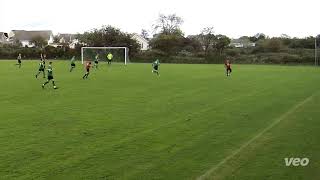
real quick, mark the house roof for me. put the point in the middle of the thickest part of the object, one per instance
(4, 34)
(137, 36)
(67, 37)
(29, 35)
(240, 40)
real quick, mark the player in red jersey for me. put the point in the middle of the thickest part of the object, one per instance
(227, 65)
(88, 66)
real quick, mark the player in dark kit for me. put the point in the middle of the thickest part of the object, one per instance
(227, 65)
(96, 61)
(73, 64)
(41, 69)
(43, 59)
(88, 66)
(19, 61)
(50, 76)
(155, 67)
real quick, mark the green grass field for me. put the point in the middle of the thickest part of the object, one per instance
(192, 122)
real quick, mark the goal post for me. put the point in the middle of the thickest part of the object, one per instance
(316, 45)
(121, 54)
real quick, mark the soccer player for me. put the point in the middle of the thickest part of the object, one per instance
(19, 60)
(88, 66)
(109, 57)
(41, 69)
(50, 77)
(73, 64)
(96, 61)
(43, 59)
(227, 65)
(155, 66)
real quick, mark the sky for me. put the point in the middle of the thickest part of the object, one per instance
(234, 18)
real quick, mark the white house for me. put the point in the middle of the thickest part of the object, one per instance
(69, 39)
(73, 43)
(64, 39)
(241, 43)
(236, 44)
(25, 37)
(3, 37)
(144, 43)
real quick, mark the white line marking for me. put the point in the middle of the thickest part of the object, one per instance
(278, 120)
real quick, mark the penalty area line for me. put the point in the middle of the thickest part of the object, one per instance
(209, 172)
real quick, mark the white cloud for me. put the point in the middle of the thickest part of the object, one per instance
(231, 17)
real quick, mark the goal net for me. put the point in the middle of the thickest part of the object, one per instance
(119, 54)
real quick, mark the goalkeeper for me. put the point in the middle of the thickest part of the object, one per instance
(109, 58)
(155, 66)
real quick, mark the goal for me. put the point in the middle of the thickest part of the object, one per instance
(120, 54)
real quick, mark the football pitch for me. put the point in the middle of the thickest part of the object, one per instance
(192, 122)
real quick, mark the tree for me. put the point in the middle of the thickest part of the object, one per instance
(109, 36)
(260, 36)
(285, 36)
(168, 24)
(169, 37)
(144, 33)
(253, 39)
(171, 44)
(39, 42)
(318, 40)
(257, 37)
(286, 39)
(222, 42)
(17, 43)
(273, 45)
(193, 44)
(56, 39)
(307, 43)
(206, 38)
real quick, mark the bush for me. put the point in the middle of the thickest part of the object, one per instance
(11, 52)
(215, 58)
(233, 52)
(185, 53)
(184, 60)
(148, 56)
